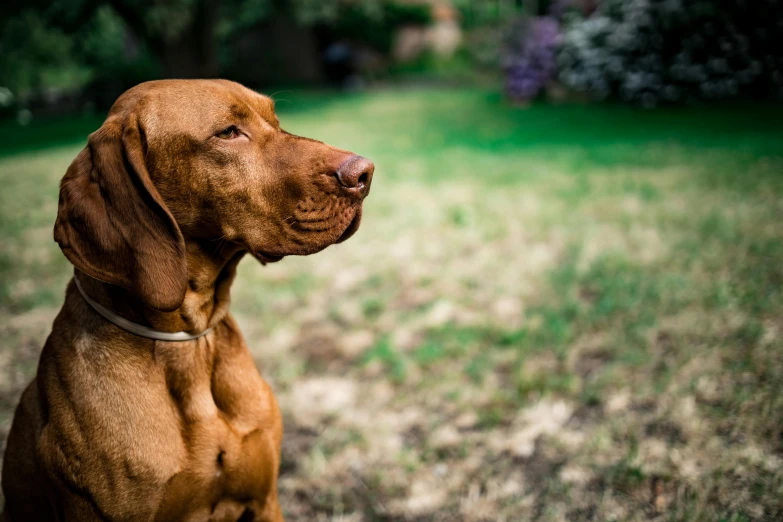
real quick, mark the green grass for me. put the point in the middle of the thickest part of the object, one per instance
(45, 133)
(569, 307)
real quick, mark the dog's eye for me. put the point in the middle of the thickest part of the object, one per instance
(228, 134)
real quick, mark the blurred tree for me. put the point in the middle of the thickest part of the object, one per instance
(62, 34)
(180, 32)
(70, 56)
(182, 35)
(33, 54)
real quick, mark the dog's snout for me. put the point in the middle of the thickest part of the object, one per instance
(355, 175)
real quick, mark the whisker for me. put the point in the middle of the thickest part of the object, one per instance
(278, 92)
(222, 246)
(219, 248)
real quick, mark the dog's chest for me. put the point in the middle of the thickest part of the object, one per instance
(189, 433)
(231, 431)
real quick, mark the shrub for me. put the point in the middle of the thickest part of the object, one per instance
(653, 51)
(531, 57)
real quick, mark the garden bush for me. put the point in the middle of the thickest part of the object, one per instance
(531, 59)
(658, 51)
(530, 51)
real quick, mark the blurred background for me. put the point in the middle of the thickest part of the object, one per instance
(566, 298)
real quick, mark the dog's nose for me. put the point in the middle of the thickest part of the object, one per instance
(355, 175)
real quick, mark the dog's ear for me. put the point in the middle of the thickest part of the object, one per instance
(112, 223)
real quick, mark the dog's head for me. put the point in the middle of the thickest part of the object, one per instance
(200, 160)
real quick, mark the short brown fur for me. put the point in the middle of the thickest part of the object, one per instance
(155, 214)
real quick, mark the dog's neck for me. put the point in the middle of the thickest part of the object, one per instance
(211, 270)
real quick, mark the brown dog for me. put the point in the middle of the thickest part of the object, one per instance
(182, 180)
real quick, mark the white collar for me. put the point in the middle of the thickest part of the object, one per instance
(135, 328)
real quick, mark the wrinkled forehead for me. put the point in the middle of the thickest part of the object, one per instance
(197, 106)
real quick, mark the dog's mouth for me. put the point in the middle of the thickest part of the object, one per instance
(353, 226)
(266, 257)
(301, 248)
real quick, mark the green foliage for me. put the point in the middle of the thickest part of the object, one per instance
(34, 55)
(371, 23)
(247, 14)
(103, 39)
(166, 19)
(671, 51)
(478, 13)
(334, 12)
(40, 54)
(112, 54)
(65, 45)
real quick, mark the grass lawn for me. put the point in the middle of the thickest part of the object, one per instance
(553, 313)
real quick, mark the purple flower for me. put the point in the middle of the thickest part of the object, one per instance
(531, 59)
